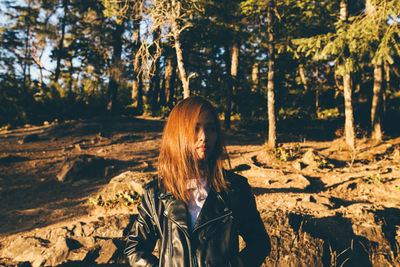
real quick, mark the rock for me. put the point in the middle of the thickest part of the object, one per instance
(87, 242)
(54, 235)
(107, 251)
(57, 253)
(396, 155)
(311, 158)
(26, 249)
(126, 182)
(111, 226)
(78, 147)
(82, 166)
(302, 182)
(78, 255)
(298, 165)
(28, 138)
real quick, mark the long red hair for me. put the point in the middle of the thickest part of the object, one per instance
(178, 161)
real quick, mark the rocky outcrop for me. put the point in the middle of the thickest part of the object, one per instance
(304, 240)
(83, 243)
(306, 229)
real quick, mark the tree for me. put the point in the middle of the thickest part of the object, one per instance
(170, 18)
(116, 68)
(270, 8)
(381, 36)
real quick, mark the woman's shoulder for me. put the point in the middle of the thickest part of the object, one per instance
(236, 180)
(151, 188)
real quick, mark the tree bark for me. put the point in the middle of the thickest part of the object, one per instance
(233, 65)
(116, 67)
(181, 66)
(137, 85)
(255, 76)
(169, 79)
(348, 106)
(376, 107)
(303, 77)
(317, 88)
(349, 117)
(271, 85)
(61, 41)
(387, 86)
(154, 88)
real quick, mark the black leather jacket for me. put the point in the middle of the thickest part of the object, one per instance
(214, 239)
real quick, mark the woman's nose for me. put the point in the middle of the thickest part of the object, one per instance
(202, 134)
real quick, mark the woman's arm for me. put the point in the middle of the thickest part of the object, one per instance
(141, 242)
(252, 229)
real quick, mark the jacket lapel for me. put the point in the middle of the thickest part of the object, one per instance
(215, 207)
(176, 211)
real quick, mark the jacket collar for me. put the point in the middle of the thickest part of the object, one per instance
(215, 207)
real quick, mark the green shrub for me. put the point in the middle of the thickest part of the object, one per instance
(123, 198)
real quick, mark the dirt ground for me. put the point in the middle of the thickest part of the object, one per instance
(301, 170)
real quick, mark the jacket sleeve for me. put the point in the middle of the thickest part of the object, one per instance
(252, 229)
(144, 236)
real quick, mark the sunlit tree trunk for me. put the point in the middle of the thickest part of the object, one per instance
(255, 76)
(38, 62)
(349, 117)
(271, 85)
(181, 66)
(233, 59)
(137, 85)
(348, 106)
(376, 107)
(303, 77)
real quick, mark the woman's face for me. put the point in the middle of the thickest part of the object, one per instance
(206, 135)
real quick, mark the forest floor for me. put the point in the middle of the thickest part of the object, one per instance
(302, 174)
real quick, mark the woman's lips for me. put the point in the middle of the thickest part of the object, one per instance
(202, 148)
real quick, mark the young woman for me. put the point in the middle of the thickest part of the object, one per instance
(196, 210)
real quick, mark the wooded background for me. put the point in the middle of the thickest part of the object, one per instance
(268, 64)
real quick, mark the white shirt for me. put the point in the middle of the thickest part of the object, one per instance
(199, 193)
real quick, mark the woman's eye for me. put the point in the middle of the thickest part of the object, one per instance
(211, 128)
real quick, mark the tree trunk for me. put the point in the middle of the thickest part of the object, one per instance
(61, 42)
(303, 77)
(26, 58)
(270, 86)
(349, 119)
(255, 72)
(387, 86)
(317, 88)
(233, 60)
(137, 85)
(376, 107)
(115, 68)
(154, 87)
(181, 67)
(169, 79)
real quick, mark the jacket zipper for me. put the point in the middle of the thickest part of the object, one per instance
(193, 258)
(213, 220)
